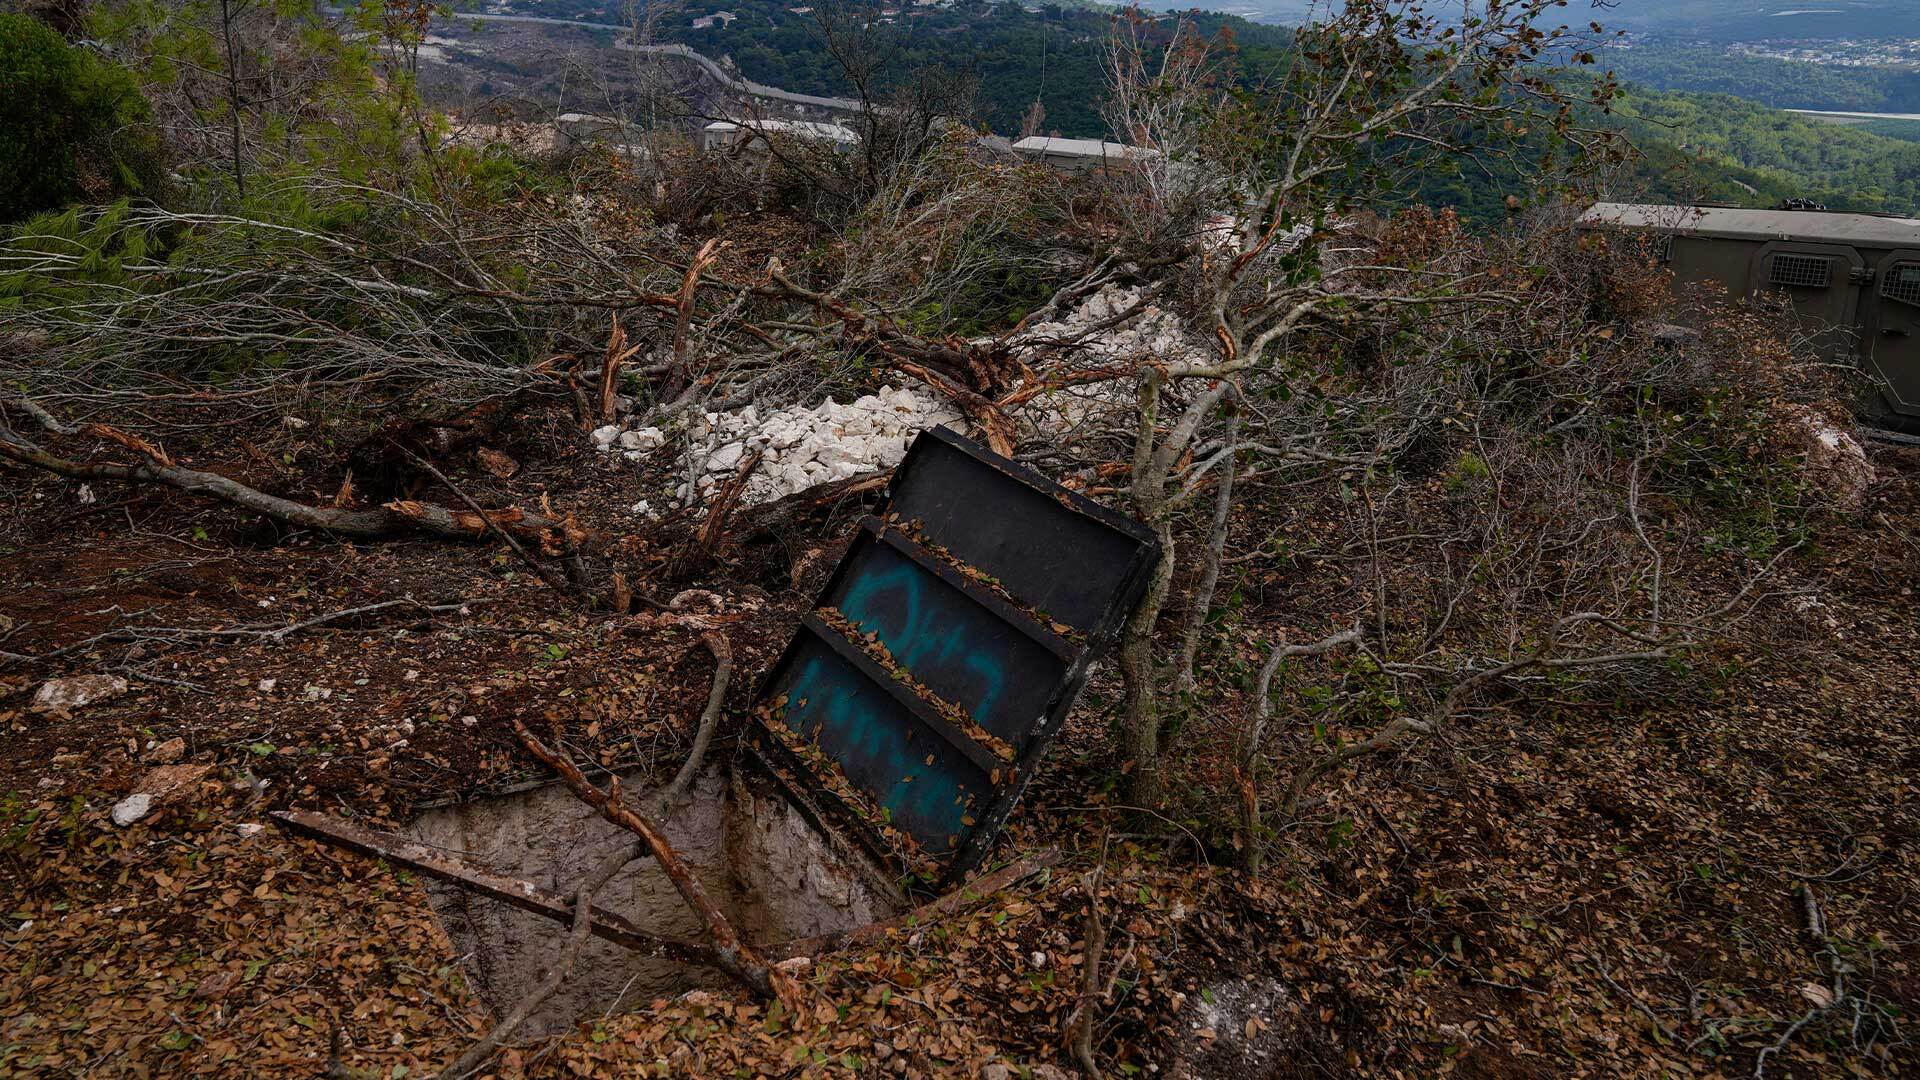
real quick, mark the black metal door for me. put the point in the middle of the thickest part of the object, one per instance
(1892, 340)
(943, 656)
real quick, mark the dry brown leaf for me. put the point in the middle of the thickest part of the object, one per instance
(497, 463)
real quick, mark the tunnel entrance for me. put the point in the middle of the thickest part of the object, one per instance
(908, 714)
(775, 875)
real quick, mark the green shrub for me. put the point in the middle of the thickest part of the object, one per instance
(72, 125)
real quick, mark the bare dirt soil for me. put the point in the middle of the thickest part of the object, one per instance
(1575, 888)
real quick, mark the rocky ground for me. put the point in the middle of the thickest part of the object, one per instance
(782, 453)
(1575, 889)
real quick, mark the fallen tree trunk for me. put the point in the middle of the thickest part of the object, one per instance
(392, 519)
(732, 953)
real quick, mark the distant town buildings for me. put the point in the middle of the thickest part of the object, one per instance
(574, 131)
(1836, 52)
(724, 18)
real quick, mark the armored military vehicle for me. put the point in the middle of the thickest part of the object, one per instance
(1852, 279)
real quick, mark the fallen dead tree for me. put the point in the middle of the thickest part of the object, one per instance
(395, 518)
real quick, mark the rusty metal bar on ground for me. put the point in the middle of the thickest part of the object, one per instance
(525, 895)
(608, 926)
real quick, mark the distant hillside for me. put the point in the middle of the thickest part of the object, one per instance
(1718, 20)
(1051, 55)
(1729, 20)
(1844, 167)
(1693, 146)
(1788, 84)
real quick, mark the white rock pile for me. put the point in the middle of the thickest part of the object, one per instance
(798, 447)
(1836, 464)
(802, 447)
(1154, 333)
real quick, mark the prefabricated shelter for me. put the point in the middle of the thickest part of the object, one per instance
(578, 130)
(725, 134)
(1079, 155)
(1852, 279)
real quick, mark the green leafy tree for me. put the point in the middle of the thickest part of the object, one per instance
(72, 125)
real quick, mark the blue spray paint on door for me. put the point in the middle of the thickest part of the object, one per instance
(907, 638)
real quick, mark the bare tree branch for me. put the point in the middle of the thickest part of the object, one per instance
(736, 957)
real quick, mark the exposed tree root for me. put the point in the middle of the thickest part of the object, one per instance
(709, 717)
(1080, 1026)
(477, 1054)
(392, 519)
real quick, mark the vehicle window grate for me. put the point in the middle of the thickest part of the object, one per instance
(1801, 271)
(1902, 284)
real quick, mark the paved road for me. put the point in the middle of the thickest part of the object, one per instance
(1839, 115)
(481, 16)
(733, 82)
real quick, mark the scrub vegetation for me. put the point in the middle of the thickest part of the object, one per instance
(1524, 687)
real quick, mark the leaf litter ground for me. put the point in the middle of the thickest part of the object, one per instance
(1565, 892)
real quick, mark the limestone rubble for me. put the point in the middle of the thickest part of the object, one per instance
(798, 447)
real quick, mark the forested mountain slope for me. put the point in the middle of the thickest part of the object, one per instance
(1840, 166)
(1708, 67)
(1051, 55)
(1692, 146)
